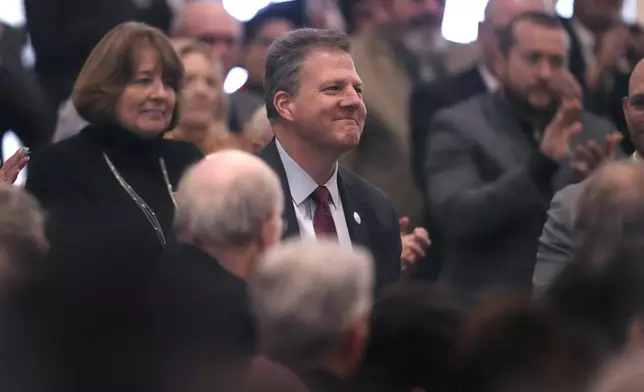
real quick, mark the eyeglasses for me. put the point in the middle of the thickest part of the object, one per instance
(635, 101)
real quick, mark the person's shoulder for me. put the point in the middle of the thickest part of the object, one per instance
(595, 121)
(472, 106)
(65, 150)
(181, 151)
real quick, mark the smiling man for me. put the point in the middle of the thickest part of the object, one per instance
(314, 102)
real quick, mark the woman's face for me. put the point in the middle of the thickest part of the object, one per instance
(146, 104)
(201, 91)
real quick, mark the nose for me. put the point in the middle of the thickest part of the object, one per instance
(544, 70)
(159, 90)
(351, 98)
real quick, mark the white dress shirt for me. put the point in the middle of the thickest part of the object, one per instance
(302, 187)
(491, 82)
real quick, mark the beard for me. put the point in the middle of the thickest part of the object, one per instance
(527, 111)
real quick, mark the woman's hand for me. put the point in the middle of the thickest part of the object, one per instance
(12, 166)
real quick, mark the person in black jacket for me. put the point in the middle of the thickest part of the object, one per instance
(109, 191)
(63, 33)
(229, 212)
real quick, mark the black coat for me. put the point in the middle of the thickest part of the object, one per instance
(202, 314)
(91, 218)
(378, 229)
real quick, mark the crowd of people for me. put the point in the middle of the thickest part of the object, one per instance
(376, 209)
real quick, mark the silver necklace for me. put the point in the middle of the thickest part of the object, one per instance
(147, 211)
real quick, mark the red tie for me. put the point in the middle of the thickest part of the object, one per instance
(323, 220)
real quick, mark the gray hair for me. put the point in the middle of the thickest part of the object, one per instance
(225, 200)
(22, 225)
(307, 294)
(286, 55)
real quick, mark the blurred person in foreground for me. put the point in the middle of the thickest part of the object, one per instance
(625, 374)
(313, 300)
(204, 105)
(26, 359)
(600, 293)
(556, 244)
(109, 191)
(415, 330)
(314, 102)
(514, 345)
(493, 162)
(229, 212)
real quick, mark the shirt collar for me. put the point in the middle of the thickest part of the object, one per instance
(586, 39)
(636, 157)
(300, 183)
(491, 82)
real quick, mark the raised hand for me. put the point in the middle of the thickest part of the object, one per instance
(563, 128)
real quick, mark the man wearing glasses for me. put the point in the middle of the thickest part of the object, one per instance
(556, 244)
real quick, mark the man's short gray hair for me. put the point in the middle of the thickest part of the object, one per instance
(22, 226)
(226, 202)
(286, 55)
(308, 294)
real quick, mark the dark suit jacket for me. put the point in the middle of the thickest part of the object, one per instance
(489, 190)
(603, 103)
(429, 98)
(426, 100)
(378, 230)
(204, 317)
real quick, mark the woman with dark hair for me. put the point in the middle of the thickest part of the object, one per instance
(109, 191)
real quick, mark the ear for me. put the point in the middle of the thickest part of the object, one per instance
(284, 105)
(636, 333)
(271, 232)
(625, 106)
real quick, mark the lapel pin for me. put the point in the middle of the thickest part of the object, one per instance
(357, 218)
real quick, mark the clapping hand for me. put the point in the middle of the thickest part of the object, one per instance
(414, 244)
(12, 166)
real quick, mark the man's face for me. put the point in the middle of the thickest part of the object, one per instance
(255, 54)
(416, 16)
(535, 64)
(634, 110)
(601, 13)
(328, 109)
(219, 30)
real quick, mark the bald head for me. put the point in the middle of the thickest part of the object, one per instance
(209, 22)
(500, 12)
(636, 81)
(610, 212)
(226, 199)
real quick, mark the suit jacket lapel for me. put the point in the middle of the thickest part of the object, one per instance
(509, 146)
(271, 156)
(355, 213)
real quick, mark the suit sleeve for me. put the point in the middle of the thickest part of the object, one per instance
(555, 243)
(469, 207)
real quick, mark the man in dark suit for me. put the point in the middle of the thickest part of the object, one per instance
(428, 98)
(229, 211)
(494, 161)
(558, 239)
(314, 103)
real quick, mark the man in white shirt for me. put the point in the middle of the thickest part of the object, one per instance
(314, 102)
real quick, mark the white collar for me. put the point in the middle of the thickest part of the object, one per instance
(491, 82)
(585, 36)
(636, 157)
(300, 182)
